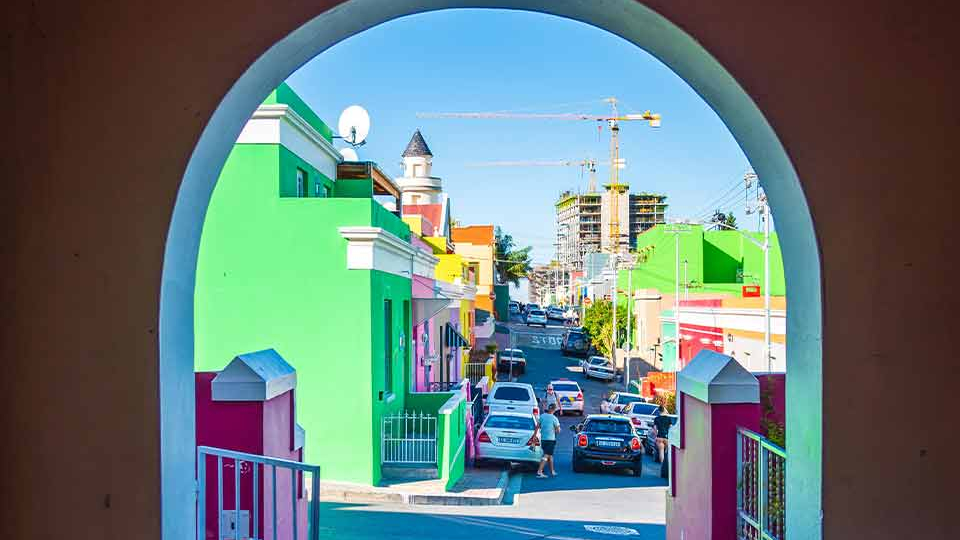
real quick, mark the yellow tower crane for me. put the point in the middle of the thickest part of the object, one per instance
(612, 120)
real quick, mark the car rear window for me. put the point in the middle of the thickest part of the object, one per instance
(645, 408)
(566, 387)
(510, 422)
(629, 399)
(604, 425)
(513, 393)
(511, 354)
(536, 312)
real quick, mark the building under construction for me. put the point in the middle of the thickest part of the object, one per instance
(583, 222)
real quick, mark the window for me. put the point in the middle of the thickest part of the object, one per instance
(566, 387)
(388, 347)
(326, 191)
(513, 393)
(645, 408)
(510, 422)
(301, 182)
(604, 425)
(319, 190)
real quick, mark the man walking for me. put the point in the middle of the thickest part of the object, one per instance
(551, 398)
(549, 428)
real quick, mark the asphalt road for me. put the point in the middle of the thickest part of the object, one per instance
(571, 506)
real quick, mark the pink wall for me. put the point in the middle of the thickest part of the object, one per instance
(703, 499)
(775, 386)
(690, 348)
(262, 428)
(422, 287)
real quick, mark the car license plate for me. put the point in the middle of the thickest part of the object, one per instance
(610, 444)
(609, 462)
(509, 440)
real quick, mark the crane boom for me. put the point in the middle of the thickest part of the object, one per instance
(613, 121)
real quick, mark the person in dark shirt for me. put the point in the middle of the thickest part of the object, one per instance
(662, 424)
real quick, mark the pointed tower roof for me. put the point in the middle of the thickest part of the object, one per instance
(417, 146)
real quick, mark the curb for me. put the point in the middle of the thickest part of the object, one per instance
(360, 495)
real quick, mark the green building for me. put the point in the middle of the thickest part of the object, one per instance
(295, 259)
(716, 262)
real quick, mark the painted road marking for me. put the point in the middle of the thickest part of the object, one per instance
(612, 529)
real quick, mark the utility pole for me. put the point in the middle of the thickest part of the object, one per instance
(676, 230)
(613, 298)
(686, 282)
(626, 378)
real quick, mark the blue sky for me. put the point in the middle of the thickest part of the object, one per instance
(494, 60)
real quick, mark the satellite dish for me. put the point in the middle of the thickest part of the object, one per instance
(354, 124)
(349, 154)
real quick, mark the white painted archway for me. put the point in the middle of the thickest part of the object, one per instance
(626, 18)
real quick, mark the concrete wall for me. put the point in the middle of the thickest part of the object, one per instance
(115, 97)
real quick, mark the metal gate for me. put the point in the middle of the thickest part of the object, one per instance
(408, 438)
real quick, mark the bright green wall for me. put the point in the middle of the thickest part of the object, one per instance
(272, 273)
(289, 163)
(285, 95)
(713, 259)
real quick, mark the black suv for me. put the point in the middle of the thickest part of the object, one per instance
(576, 343)
(608, 441)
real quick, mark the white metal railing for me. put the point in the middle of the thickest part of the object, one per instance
(408, 438)
(761, 488)
(474, 370)
(255, 477)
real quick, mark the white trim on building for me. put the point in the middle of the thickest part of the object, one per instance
(280, 124)
(373, 248)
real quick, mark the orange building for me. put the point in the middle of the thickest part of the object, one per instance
(475, 243)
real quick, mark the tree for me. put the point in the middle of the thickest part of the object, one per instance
(731, 220)
(598, 324)
(727, 219)
(512, 263)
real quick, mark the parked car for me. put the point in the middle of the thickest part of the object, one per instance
(575, 343)
(537, 316)
(641, 414)
(514, 357)
(512, 397)
(607, 441)
(614, 402)
(510, 437)
(555, 313)
(571, 397)
(514, 309)
(530, 307)
(599, 367)
(650, 440)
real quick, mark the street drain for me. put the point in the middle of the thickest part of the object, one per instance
(612, 529)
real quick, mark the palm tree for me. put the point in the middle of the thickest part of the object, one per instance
(512, 263)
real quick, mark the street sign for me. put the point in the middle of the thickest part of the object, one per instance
(751, 291)
(587, 301)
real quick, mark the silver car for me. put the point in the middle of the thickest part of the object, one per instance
(598, 367)
(510, 437)
(537, 316)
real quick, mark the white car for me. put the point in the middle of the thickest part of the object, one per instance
(509, 436)
(615, 402)
(641, 415)
(512, 397)
(537, 316)
(514, 358)
(598, 367)
(571, 397)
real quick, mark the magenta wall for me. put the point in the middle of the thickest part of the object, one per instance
(422, 287)
(775, 385)
(703, 499)
(262, 428)
(690, 348)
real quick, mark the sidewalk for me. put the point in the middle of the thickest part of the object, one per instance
(477, 487)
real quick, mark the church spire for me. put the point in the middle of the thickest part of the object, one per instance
(417, 147)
